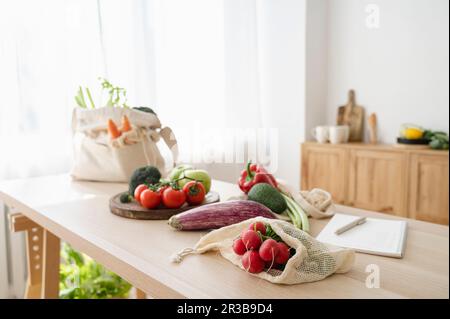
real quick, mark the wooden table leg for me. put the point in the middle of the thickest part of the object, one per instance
(34, 240)
(50, 269)
(140, 294)
(34, 237)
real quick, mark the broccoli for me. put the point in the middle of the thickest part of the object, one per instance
(144, 175)
(144, 109)
(125, 198)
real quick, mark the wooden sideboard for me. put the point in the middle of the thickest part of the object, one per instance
(403, 181)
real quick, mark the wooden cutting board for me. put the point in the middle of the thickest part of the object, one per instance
(135, 211)
(352, 115)
(373, 128)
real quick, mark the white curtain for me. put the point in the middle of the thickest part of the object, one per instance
(195, 62)
(208, 67)
(47, 49)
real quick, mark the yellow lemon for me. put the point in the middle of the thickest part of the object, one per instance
(413, 133)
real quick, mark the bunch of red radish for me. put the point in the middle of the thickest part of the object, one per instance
(259, 250)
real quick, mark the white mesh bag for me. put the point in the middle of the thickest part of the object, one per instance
(312, 260)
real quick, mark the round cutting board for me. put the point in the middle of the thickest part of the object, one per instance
(135, 211)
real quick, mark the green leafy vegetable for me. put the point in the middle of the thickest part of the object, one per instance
(83, 278)
(437, 140)
(270, 233)
(117, 96)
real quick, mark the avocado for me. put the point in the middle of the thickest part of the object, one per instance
(269, 196)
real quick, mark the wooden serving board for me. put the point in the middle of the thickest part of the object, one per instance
(352, 115)
(135, 211)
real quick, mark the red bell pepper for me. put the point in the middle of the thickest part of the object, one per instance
(255, 174)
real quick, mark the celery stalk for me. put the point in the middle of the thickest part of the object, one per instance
(299, 213)
(292, 217)
(81, 97)
(302, 215)
(90, 97)
(79, 102)
(304, 218)
(293, 214)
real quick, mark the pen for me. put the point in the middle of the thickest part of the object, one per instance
(354, 223)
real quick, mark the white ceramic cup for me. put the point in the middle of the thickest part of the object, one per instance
(338, 134)
(320, 133)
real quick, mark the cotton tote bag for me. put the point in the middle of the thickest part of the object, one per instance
(97, 157)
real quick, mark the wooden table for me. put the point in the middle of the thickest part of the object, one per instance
(139, 251)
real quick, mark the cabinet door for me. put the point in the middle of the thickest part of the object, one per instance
(325, 167)
(428, 196)
(378, 181)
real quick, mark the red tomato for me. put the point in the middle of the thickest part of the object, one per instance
(195, 192)
(162, 189)
(173, 198)
(138, 190)
(150, 199)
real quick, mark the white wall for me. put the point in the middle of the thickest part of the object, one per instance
(400, 70)
(316, 65)
(311, 52)
(279, 87)
(282, 64)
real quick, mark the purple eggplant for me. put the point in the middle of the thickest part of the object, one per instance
(218, 215)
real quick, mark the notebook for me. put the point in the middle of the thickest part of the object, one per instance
(376, 236)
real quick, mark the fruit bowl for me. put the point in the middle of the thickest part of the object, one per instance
(419, 141)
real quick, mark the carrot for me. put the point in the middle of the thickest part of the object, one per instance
(126, 126)
(113, 130)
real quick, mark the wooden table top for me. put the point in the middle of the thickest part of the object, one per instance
(140, 251)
